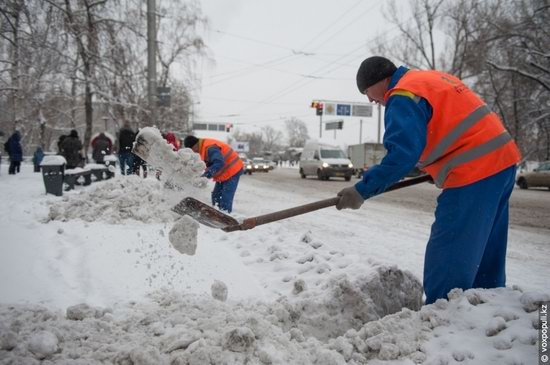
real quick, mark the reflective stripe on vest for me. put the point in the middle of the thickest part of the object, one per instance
(406, 93)
(226, 165)
(471, 155)
(231, 166)
(453, 135)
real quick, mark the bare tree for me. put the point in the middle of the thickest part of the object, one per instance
(272, 138)
(416, 44)
(297, 132)
(519, 61)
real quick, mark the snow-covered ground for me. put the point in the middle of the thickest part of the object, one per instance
(91, 277)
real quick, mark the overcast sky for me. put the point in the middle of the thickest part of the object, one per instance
(271, 59)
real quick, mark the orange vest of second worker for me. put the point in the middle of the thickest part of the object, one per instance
(232, 162)
(466, 142)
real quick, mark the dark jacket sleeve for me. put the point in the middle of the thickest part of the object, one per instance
(406, 123)
(214, 161)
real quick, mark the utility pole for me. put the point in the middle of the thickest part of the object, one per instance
(152, 59)
(320, 126)
(360, 130)
(379, 122)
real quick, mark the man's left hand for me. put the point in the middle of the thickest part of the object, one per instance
(349, 199)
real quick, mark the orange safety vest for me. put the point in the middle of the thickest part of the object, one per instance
(466, 142)
(233, 163)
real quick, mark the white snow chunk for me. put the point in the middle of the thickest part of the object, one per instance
(299, 286)
(8, 339)
(388, 351)
(238, 339)
(80, 311)
(494, 326)
(183, 235)
(329, 357)
(219, 290)
(531, 301)
(43, 344)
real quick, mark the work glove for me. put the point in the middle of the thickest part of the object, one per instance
(349, 199)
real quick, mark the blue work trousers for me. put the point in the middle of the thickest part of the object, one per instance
(467, 245)
(224, 192)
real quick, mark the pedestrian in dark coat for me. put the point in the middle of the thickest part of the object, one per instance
(59, 143)
(71, 147)
(101, 146)
(15, 152)
(126, 137)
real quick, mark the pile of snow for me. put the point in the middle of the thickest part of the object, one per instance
(476, 326)
(116, 200)
(342, 303)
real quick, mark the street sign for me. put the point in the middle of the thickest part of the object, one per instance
(240, 146)
(362, 110)
(343, 109)
(163, 96)
(330, 109)
(337, 124)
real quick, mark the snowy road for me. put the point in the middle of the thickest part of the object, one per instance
(528, 208)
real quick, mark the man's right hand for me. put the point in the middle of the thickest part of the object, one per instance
(349, 199)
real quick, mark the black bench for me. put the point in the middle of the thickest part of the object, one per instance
(72, 175)
(99, 171)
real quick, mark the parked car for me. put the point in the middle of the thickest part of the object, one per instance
(539, 177)
(260, 165)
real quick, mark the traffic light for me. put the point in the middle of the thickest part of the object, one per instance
(319, 108)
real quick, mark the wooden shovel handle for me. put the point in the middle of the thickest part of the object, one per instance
(250, 223)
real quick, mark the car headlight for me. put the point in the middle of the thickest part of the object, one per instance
(325, 165)
(255, 166)
(350, 165)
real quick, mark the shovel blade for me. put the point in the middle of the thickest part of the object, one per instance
(204, 214)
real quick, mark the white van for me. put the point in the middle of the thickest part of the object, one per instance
(324, 161)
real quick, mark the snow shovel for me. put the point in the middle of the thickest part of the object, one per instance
(212, 217)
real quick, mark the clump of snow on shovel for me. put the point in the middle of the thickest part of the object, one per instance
(182, 169)
(183, 235)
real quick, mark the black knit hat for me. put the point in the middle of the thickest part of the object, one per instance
(190, 141)
(373, 70)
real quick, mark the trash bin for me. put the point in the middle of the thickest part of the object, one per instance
(53, 170)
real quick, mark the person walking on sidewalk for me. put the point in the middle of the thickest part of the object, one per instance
(223, 165)
(126, 137)
(436, 122)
